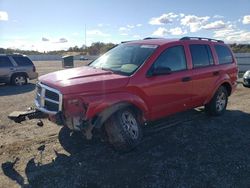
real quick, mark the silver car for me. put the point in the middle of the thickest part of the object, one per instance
(16, 69)
(246, 79)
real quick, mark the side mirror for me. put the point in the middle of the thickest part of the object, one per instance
(159, 71)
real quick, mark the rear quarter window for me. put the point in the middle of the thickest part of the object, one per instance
(224, 54)
(22, 61)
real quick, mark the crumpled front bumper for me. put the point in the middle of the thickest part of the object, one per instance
(58, 118)
(74, 123)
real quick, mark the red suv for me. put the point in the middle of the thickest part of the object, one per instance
(137, 82)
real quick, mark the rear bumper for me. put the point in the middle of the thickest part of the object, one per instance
(33, 75)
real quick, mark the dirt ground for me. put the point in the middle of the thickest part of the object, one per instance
(189, 149)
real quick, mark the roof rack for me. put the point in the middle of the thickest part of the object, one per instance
(147, 38)
(127, 41)
(201, 38)
(150, 38)
(12, 54)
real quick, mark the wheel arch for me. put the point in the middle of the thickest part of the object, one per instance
(99, 119)
(225, 84)
(228, 87)
(19, 73)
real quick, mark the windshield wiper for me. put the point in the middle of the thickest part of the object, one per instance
(107, 69)
(114, 71)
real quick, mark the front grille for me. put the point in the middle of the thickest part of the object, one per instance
(48, 100)
(39, 89)
(51, 95)
(51, 106)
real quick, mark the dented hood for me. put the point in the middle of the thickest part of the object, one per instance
(84, 80)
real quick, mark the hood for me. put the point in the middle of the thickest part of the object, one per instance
(84, 80)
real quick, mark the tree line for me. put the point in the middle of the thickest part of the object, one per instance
(240, 48)
(98, 48)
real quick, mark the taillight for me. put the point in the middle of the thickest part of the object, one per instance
(34, 68)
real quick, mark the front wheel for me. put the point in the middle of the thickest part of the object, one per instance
(123, 130)
(218, 104)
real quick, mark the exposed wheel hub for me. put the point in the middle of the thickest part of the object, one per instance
(221, 101)
(130, 124)
(20, 80)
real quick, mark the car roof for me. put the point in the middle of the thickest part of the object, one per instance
(17, 55)
(153, 41)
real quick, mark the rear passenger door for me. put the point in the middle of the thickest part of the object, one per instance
(204, 72)
(6, 68)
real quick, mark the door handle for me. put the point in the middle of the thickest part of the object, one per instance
(12, 69)
(186, 79)
(216, 73)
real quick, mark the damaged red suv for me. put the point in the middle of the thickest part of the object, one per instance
(137, 82)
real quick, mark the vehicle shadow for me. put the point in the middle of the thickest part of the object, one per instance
(202, 152)
(6, 90)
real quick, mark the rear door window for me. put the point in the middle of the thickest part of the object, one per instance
(223, 54)
(201, 55)
(22, 61)
(5, 62)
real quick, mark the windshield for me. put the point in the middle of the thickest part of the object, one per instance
(125, 58)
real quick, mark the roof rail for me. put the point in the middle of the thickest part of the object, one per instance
(150, 38)
(147, 38)
(13, 54)
(127, 41)
(201, 38)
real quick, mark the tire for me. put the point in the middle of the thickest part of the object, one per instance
(217, 106)
(123, 130)
(19, 80)
(247, 86)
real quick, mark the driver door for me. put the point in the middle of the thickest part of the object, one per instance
(171, 92)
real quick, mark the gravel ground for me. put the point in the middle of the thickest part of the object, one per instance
(189, 149)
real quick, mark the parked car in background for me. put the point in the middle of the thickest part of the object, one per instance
(246, 79)
(137, 82)
(83, 58)
(16, 69)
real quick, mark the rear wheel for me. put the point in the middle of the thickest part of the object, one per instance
(218, 104)
(19, 80)
(123, 130)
